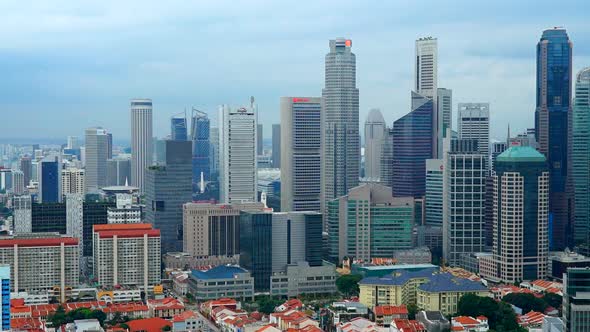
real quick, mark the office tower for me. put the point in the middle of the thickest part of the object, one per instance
(83, 155)
(141, 140)
(463, 200)
(72, 181)
(96, 159)
(125, 211)
(237, 155)
(581, 158)
(341, 138)
(259, 145)
(412, 141)
(296, 237)
(276, 145)
(375, 135)
(26, 167)
(368, 223)
(434, 192)
(5, 179)
(489, 211)
(94, 213)
(497, 149)
(444, 106)
(49, 181)
(75, 218)
(178, 127)
(256, 247)
(18, 182)
(214, 153)
(211, 231)
(200, 136)
(22, 214)
(576, 300)
(73, 142)
(553, 128)
(386, 173)
(127, 255)
(41, 262)
(425, 84)
(473, 122)
(167, 188)
(159, 151)
(109, 146)
(5, 296)
(521, 245)
(118, 171)
(301, 141)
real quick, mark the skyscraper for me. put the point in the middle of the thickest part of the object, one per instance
(576, 302)
(444, 107)
(341, 146)
(96, 159)
(200, 136)
(141, 140)
(259, 145)
(412, 138)
(434, 192)
(49, 181)
(178, 127)
(26, 166)
(167, 188)
(375, 136)
(72, 181)
(581, 158)
(109, 145)
(276, 145)
(521, 241)
(386, 175)
(426, 82)
(237, 143)
(553, 128)
(473, 122)
(214, 153)
(118, 171)
(301, 140)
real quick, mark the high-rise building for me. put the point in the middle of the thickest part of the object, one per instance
(96, 159)
(125, 211)
(167, 188)
(5, 297)
(553, 128)
(256, 247)
(75, 219)
(178, 127)
(521, 240)
(375, 136)
(18, 182)
(237, 155)
(141, 140)
(473, 122)
(434, 192)
(576, 299)
(444, 106)
(259, 137)
(340, 127)
(118, 171)
(26, 167)
(127, 255)
(49, 182)
(23, 214)
(497, 149)
(426, 67)
(386, 174)
(296, 237)
(214, 153)
(412, 141)
(109, 146)
(72, 181)
(301, 142)
(276, 145)
(200, 136)
(463, 200)
(369, 222)
(73, 142)
(581, 158)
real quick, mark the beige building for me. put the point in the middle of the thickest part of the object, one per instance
(127, 255)
(72, 181)
(41, 261)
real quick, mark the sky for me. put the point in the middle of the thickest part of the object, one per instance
(69, 65)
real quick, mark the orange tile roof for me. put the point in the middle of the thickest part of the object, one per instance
(42, 242)
(148, 324)
(165, 304)
(406, 325)
(184, 316)
(388, 310)
(118, 227)
(28, 324)
(531, 318)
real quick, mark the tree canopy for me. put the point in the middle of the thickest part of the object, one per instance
(500, 315)
(349, 284)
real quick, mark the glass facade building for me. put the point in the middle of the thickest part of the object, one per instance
(178, 129)
(200, 136)
(581, 159)
(553, 128)
(576, 299)
(49, 182)
(5, 296)
(256, 247)
(412, 142)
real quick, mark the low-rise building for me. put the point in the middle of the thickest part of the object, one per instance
(469, 324)
(531, 320)
(291, 304)
(443, 291)
(190, 321)
(341, 312)
(292, 319)
(84, 325)
(155, 324)
(420, 255)
(359, 324)
(221, 281)
(300, 278)
(385, 314)
(165, 308)
(434, 321)
(406, 325)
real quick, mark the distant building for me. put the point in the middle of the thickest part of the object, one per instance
(125, 212)
(419, 255)
(178, 127)
(434, 192)
(202, 150)
(259, 140)
(474, 123)
(375, 136)
(118, 172)
(581, 158)
(96, 159)
(26, 167)
(342, 312)
(221, 282)
(276, 145)
(301, 278)
(72, 181)
(444, 106)
(49, 181)
(141, 140)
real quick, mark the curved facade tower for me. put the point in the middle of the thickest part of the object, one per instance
(141, 140)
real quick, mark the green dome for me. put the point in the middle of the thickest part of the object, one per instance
(521, 154)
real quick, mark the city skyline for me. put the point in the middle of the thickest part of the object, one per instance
(56, 78)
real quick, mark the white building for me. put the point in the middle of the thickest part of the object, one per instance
(473, 122)
(237, 143)
(375, 135)
(426, 67)
(141, 140)
(72, 181)
(125, 212)
(22, 214)
(75, 218)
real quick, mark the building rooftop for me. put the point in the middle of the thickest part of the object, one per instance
(400, 277)
(397, 267)
(38, 242)
(219, 272)
(446, 282)
(521, 154)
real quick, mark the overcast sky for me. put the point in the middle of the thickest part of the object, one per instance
(68, 65)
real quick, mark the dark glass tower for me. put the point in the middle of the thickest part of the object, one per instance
(553, 129)
(256, 247)
(49, 183)
(200, 136)
(412, 145)
(178, 128)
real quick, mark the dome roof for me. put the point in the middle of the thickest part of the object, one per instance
(375, 116)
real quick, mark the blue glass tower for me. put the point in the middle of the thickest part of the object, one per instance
(412, 145)
(5, 296)
(178, 129)
(553, 128)
(200, 133)
(49, 182)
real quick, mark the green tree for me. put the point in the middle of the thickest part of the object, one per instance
(58, 318)
(500, 315)
(412, 310)
(526, 301)
(166, 328)
(98, 315)
(267, 304)
(553, 300)
(349, 284)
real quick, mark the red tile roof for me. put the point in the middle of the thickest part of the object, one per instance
(466, 321)
(184, 316)
(165, 304)
(406, 325)
(389, 310)
(40, 242)
(118, 227)
(148, 324)
(28, 324)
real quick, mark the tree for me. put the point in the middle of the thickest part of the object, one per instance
(98, 315)
(349, 284)
(58, 318)
(267, 304)
(500, 315)
(412, 310)
(553, 300)
(166, 328)
(526, 301)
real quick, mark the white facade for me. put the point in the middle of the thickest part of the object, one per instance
(375, 134)
(141, 140)
(237, 143)
(18, 182)
(96, 159)
(474, 123)
(72, 181)
(22, 214)
(73, 142)
(444, 107)
(426, 67)
(75, 218)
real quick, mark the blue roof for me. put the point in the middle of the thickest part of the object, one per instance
(400, 277)
(446, 282)
(219, 272)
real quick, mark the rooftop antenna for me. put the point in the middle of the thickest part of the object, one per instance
(251, 101)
